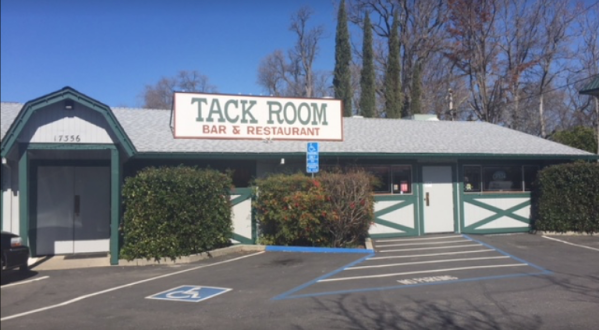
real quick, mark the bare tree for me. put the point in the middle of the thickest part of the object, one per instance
(306, 47)
(521, 21)
(588, 57)
(160, 95)
(555, 20)
(294, 75)
(474, 54)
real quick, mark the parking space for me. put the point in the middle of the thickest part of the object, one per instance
(430, 282)
(408, 262)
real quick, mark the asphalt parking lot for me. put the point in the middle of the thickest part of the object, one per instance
(433, 282)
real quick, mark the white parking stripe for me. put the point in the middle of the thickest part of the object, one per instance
(431, 254)
(431, 248)
(425, 262)
(426, 243)
(417, 272)
(582, 246)
(68, 302)
(24, 282)
(414, 239)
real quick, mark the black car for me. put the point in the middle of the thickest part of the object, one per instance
(14, 253)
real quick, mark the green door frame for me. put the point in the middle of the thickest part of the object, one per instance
(115, 189)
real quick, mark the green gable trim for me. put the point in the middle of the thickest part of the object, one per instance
(67, 93)
(324, 155)
(592, 88)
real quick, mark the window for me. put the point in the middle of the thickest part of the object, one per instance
(508, 178)
(382, 176)
(402, 179)
(395, 179)
(502, 178)
(472, 178)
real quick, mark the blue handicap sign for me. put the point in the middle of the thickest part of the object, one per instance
(189, 293)
(312, 160)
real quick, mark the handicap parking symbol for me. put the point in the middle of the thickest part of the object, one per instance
(189, 293)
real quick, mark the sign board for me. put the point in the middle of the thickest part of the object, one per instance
(189, 293)
(312, 160)
(219, 116)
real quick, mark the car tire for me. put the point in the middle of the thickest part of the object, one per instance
(24, 269)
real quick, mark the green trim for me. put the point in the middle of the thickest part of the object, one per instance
(242, 239)
(244, 194)
(403, 201)
(394, 225)
(115, 205)
(498, 213)
(395, 156)
(454, 195)
(24, 196)
(499, 231)
(67, 93)
(474, 196)
(70, 146)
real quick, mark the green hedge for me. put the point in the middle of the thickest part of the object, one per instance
(332, 210)
(566, 198)
(175, 211)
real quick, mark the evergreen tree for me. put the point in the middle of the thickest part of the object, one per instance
(342, 73)
(367, 75)
(416, 92)
(393, 98)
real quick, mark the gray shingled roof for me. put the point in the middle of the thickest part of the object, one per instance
(150, 132)
(8, 113)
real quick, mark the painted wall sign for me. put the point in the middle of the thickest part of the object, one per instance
(189, 293)
(219, 116)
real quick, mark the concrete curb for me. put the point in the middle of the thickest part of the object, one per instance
(193, 258)
(369, 245)
(308, 249)
(60, 262)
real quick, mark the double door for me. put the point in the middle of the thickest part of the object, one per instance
(73, 210)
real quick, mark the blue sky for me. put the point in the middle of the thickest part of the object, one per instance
(111, 49)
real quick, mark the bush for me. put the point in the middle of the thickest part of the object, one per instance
(334, 209)
(352, 203)
(175, 211)
(566, 198)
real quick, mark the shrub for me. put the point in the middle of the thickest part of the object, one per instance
(352, 203)
(334, 209)
(290, 209)
(175, 211)
(566, 198)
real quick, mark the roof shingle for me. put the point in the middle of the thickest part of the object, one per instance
(150, 132)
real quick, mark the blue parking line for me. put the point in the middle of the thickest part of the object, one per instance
(303, 286)
(288, 294)
(509, 255)
(311, 295)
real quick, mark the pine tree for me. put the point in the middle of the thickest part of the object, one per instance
(367, 75)
(416, 93)
(393, 98)
(342, 73)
